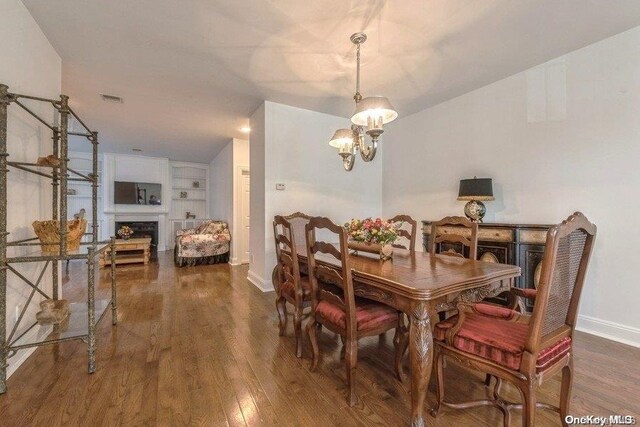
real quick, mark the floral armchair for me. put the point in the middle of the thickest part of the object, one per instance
(207, 244)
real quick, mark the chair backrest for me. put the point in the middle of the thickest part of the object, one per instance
(407, 230)
(338, 273)
(566, 257)
(466, 235)
(288, 266)
(298, 221)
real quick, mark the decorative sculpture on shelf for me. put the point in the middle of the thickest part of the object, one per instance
(53, 312)
(50, 160)
(80, 215)
(49, 234)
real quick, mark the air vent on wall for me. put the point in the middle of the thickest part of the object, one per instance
(111, 98)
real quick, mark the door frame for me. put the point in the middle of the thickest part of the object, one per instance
(237, 220)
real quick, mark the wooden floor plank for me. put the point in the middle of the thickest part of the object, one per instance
(200, 346)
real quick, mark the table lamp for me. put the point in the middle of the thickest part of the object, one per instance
(475, 191)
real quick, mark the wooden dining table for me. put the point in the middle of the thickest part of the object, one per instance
(421, 285)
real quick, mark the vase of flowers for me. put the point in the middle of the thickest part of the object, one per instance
(372, 235)
(125, 232)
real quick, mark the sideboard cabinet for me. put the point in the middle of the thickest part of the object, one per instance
(516, 244)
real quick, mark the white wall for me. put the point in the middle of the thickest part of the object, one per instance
(257, 142)
(297, 154)
(221, 173)
(558, 138)
(31, 66)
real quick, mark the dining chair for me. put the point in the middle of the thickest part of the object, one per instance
(408, 234)
(291, 287)
(525, 350)
(298, 221)
(341, 312)
(445, 242)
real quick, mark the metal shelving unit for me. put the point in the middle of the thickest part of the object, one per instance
(83, 317)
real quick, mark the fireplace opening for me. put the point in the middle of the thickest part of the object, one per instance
(142, 229)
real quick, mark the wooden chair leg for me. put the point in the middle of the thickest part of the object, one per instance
(315, 352)
(400, 342)
(351, 360)
(281, 306)
(528, 405)
(297, 329)
(439, 374)
(565, 391)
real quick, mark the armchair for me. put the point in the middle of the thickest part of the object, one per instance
(207, 244)
(525, 350)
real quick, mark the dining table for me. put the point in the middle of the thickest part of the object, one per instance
(421, 285)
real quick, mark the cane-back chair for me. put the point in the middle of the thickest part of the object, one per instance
(341, 312)
(525, 350)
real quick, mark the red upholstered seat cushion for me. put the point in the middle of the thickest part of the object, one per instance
(369, 315)
(498, 340)
(289, 289)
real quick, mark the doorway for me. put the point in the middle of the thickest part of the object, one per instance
(242, 218)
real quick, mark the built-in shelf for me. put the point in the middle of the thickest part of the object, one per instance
(196, 202)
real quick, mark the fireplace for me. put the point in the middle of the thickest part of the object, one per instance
(143, 229)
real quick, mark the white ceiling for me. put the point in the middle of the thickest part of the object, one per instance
(192, 72)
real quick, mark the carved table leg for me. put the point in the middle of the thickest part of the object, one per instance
(421, 359)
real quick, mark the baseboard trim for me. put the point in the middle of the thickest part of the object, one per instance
(22, 355)
(609, 330)
(260, 283)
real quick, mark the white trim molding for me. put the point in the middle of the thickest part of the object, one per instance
(33, 335)
(609, 330)
(258, 282)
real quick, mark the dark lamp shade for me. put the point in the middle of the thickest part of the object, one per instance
(480, 189)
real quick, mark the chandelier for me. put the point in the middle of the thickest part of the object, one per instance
(371, 113)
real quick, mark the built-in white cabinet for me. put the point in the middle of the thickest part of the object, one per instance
(190, 190)
(189, 196)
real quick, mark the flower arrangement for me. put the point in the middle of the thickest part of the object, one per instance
(372, 231)
(125, 232)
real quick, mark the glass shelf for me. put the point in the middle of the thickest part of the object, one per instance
(34, 253)
(195, 178)
(75, 326)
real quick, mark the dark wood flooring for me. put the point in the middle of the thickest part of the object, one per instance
(199, 346)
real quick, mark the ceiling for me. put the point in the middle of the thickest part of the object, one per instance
(192, 72)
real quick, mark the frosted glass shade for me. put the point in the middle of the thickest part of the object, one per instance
(373, 109)
(341, 138)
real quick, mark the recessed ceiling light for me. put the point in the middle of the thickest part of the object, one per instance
(245, 129)
(112, 98)
(137, 150)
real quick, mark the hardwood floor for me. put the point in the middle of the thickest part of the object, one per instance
(200, 346)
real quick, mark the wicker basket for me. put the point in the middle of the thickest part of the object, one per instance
(49, 234)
